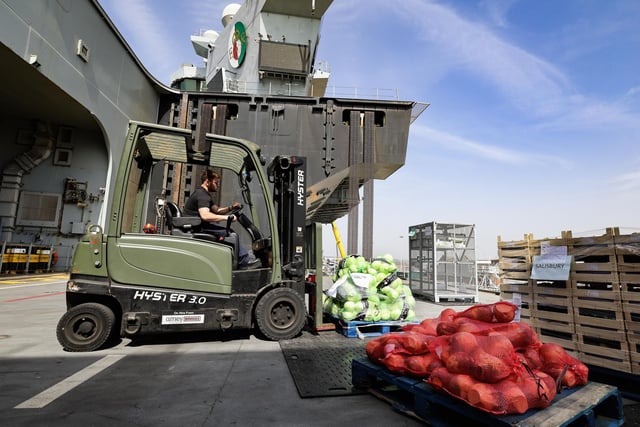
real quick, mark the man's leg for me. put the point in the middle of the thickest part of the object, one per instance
(243, 256)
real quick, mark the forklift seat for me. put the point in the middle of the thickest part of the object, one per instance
(190, 226)
(176, 223)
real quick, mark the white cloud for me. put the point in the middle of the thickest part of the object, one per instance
(583, 113)
(533, 84)
(525, 79)
(497, 10)
(486, 151)
(633, 91)
(628, 181)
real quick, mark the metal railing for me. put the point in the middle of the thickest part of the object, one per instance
(23, 258)
(299, 89)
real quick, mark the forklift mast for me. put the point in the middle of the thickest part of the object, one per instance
(288, 175)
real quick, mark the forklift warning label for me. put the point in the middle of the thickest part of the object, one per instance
(182, 319)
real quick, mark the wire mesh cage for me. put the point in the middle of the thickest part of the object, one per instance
(442, 259)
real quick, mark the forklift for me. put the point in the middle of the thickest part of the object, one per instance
(155, 271)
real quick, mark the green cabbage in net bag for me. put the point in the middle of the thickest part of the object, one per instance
(369, 291)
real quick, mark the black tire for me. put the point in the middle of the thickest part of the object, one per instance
(280, 314)
(85, 327)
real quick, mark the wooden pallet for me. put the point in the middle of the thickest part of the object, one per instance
(589, 405)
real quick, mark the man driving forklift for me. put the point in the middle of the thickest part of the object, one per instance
(200, 203)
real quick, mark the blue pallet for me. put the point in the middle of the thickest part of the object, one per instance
(593, 404)
(362, 329)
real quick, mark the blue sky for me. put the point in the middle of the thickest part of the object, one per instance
(535, 106)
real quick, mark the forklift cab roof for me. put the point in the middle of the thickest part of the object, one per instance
(174, 144)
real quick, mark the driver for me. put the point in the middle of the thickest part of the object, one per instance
(200, 203)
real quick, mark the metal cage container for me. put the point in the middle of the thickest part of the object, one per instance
(443, 263)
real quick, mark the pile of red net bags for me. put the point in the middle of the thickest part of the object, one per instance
(481, 356)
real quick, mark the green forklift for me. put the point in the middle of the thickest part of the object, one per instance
(156, 271)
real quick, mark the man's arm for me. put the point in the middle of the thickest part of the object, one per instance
(226, 209)
(208, 216)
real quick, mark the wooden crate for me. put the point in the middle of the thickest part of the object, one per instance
(602, 337)
(514, 259)
(520, 295)
(632, 322)
(518, 272)
(610, 353)
(635, 363)
(591, 245)
(631, 313)
(629, 286)
(633, 338)
(628, 252)
(593, 258)
(535, 245)
(630, 295)
(595, 313)
(559, 289)
(598, 306)
(557, 332)
(552, 300)
(516, 250)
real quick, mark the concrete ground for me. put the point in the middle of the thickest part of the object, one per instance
(196, 380)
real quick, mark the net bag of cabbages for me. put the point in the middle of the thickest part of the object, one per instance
(348, 297)
(369, 292)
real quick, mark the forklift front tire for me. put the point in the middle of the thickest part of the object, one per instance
(280, 314)
(85, 327)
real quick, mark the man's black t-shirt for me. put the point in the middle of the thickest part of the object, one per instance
(198, 199)
(202, 199)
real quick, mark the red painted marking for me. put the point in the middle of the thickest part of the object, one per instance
(35, 296)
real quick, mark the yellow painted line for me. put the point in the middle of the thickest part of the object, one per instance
(22, 280)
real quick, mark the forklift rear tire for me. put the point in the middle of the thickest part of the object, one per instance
(280, 314)
(85, 327)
